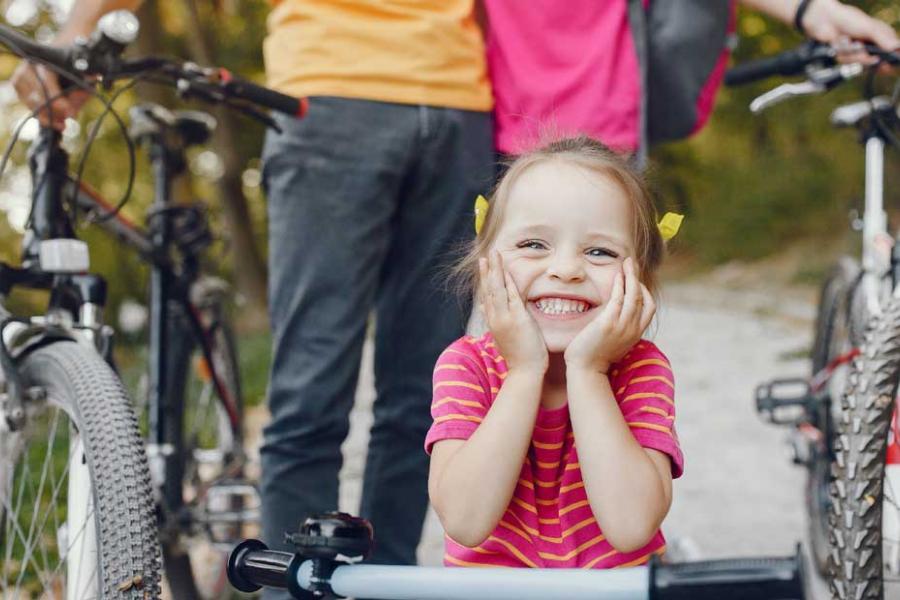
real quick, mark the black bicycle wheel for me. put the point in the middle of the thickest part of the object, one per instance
(832, 339)
(208, 452)
(857, 567)
(76, 509)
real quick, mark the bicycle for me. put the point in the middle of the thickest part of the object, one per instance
(842, 413)
(85, 510)
(327, 546)
(191, 411)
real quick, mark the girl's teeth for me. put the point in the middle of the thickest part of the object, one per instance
(558, 306)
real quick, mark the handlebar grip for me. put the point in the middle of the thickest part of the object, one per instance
(788, 63)
(28, 48)
(246, 90)
(735, 579)
(252, 565)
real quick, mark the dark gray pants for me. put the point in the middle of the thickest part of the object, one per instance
(367, 202)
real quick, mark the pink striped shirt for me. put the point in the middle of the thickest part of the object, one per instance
(549, 522)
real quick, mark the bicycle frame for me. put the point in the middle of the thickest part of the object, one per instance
(170, 283)
(82, 296)
(879, 279)
(141, 241)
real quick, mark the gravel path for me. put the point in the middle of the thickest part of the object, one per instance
(740, 494)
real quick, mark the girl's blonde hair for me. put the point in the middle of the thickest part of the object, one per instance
(594, 156)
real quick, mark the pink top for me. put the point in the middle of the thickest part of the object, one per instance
(549, 522)
(562, 68)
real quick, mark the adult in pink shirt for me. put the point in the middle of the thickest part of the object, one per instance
(571, 67)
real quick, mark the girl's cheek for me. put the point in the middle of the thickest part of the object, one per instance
(608, 278)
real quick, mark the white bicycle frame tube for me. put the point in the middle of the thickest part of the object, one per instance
(876, 251)
(82, 572)
(438, 583)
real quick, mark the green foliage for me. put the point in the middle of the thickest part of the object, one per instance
(753, 185)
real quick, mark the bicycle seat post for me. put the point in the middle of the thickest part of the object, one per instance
(148, 128)
(166, 135)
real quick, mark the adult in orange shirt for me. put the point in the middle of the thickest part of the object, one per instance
(368, 195)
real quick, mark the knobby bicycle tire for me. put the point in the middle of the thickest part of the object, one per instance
(856, 567)
(76, 378)
(832, 337)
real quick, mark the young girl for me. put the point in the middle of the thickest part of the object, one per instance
(553, 442)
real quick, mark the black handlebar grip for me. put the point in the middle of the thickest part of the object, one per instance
(246, 90)
(252, 565)
(735, 579)
(26, 47)
(787, 63)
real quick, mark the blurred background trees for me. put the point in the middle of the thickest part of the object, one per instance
(755, 186)
(750, 186)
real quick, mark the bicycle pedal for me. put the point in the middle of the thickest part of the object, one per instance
(784, 401)
(228, 506)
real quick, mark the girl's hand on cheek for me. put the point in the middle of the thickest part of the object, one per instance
(617, 328)
(515, 331)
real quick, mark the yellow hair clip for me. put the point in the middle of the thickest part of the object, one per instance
(669, 225)
(481, 208)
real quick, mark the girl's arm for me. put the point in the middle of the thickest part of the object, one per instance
(629, 488)
(471, 482)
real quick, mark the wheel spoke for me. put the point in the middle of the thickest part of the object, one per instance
(34, 533)
(38, 524)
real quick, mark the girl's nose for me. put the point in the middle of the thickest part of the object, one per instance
(566, 267)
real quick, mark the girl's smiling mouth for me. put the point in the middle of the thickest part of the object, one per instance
(561, 306)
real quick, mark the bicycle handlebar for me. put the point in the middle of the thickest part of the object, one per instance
(257, 94)
(790, 62)
(794, 62)
(252, 565)
(16, 42)
(100, 57)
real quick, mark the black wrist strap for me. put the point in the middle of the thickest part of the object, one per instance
(798, 16)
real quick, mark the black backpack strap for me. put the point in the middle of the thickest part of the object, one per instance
(637, 17)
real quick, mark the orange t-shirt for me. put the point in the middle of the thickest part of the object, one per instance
(428, 52)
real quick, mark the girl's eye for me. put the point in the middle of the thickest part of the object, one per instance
(602, 253)
(532, 245)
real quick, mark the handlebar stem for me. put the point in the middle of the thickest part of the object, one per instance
(49, 165)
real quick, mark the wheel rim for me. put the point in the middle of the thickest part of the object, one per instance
(48, 531)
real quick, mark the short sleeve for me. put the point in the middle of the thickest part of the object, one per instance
(645, 390)
(461, 394)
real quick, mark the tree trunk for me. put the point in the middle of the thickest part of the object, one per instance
(249, 267)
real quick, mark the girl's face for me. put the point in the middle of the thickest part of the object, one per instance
(565, 232)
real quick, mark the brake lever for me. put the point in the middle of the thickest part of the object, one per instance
(820, 81)
(784, 92)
